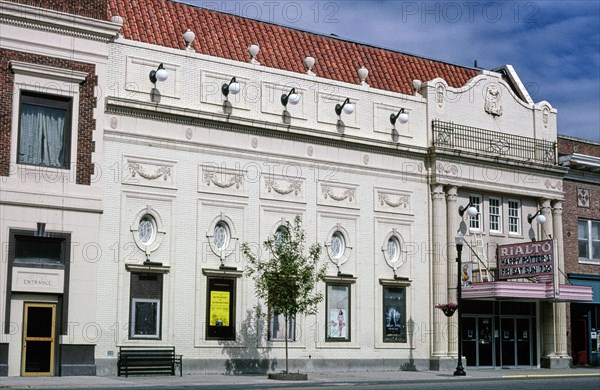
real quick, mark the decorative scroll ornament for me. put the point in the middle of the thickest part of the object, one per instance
(294, 186)
(212, 177)
(493, 105)
(135, 168)
(545, 116)
(348, 193)
(440, 91)
(557, 186)
(401, 201)
(449, 168)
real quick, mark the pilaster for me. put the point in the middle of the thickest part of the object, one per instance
(560, 317)
(453, 221)
(439, 269)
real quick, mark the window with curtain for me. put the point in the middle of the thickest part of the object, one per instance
(44, 130)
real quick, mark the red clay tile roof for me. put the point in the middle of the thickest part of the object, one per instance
(162, 22)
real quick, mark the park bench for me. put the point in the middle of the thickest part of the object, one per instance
(148, 360)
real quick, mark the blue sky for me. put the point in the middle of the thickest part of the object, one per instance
(553, 45)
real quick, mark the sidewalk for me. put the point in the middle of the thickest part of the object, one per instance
(329, 378)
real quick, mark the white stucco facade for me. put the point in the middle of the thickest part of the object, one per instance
(195, 158)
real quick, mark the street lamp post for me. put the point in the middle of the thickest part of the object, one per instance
(460, 371)
(471, 211)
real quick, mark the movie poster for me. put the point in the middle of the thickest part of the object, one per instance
(219, 308)
(338, 313)
(394, 314)
(466, 277)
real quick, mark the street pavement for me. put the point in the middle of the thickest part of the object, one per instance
(258, 381)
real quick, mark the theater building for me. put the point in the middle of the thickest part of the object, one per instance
(209, 155)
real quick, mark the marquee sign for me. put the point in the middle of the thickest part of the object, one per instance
(526, 259)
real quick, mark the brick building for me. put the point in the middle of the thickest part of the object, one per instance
(581, 228)
(52, 64)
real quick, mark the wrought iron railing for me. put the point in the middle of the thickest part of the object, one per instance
(493, 143)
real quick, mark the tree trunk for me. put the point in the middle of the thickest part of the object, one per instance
(286, 345)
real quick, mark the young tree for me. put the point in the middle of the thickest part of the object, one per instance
(286, 281)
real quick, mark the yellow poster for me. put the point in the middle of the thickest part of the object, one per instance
(219, 308)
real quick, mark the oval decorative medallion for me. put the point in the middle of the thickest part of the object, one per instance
(309, 150)
(114, 122)
(188, 133)
(366, 159)
(254, 142)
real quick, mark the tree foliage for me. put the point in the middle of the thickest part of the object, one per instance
(287, 280)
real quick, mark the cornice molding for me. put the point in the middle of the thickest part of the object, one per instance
(45, 71)
(189, 117)
(57, 22)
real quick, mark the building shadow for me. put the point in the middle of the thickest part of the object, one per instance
(227, 108)
(410, 333)
(246, 355)
(340, 126)
(286, 117)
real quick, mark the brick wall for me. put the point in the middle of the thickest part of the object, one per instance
(97, 9)
(86, 122)
(571, 213)
(570, 146)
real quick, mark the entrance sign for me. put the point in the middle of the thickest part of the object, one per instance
(526, 259)
(38, 280)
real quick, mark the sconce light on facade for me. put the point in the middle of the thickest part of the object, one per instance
(469, 208)
(347, 107)
(233, 87)
(160, 74)
(401, 116)
(292, 97)
(538, 216)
